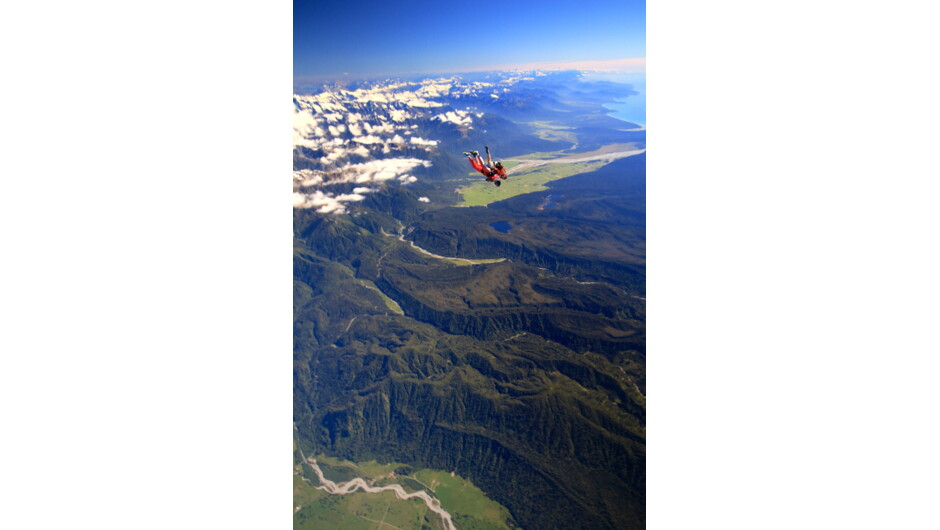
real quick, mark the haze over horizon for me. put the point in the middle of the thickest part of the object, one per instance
(357, 40)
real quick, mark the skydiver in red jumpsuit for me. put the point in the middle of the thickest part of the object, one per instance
(490, 170)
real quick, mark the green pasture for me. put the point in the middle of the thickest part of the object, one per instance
(481, 193)
(470, 508)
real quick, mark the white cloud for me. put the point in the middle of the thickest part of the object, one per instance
(367, 139)
(381, 176)
(373, 171)
(306, 129)
(434, 88)
(333, 156)
(377, 119)
(421, 141)
(382, 170)
(424, 199)
(321, 120)
(308, 177)
(300, 200)
(361, 151)
(377, 98)
(383, 128)
(305, 142)
(459, 117)
(325, 202)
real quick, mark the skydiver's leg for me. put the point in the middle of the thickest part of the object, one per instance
(476, 164)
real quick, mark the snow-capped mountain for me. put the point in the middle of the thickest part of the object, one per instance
(351, 141)
(368, 136)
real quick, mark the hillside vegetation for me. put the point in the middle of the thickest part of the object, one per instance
(514, 357)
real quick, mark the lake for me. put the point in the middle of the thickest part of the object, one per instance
(501, 226)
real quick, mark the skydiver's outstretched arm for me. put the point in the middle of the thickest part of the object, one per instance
(489, 159)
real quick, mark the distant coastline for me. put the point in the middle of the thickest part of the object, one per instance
(632, 109)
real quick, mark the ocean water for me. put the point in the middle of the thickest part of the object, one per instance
(631, 109)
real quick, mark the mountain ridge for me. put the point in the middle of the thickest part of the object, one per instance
(525, 375)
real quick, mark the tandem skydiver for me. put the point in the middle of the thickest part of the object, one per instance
(492, 171)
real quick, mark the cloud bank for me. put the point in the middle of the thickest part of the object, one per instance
(312, 187)
(344, 137)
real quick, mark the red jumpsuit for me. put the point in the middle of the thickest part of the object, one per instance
(489, 173)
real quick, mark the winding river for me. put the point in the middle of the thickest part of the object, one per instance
(357, 483)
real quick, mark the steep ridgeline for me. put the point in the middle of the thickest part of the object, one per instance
(592, 226)
(521, 365)
(527, 380)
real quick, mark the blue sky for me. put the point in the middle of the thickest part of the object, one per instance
(364, 38)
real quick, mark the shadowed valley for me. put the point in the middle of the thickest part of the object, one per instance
(521, 365)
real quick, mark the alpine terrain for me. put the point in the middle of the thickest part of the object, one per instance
(495, 335)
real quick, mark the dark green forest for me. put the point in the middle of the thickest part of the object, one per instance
(525, 375)
(514, 374)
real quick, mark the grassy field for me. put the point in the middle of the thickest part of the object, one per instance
(509, 164)
(461, 262)
(370, 470)
(532, 179)
(389, 303)
(317, 509)
(365, 511)
(481, 193)
(547, 131)
(470, 507)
